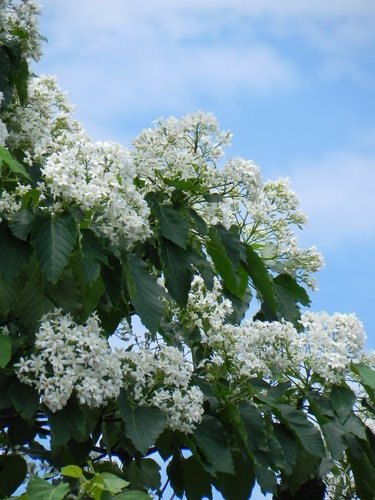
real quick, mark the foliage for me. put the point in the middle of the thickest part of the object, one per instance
(94, 236)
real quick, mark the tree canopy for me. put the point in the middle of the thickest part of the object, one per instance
(230, 381)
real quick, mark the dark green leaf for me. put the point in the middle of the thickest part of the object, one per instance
(197, 481)
(133, 495)
(21, 224)
(5, 350)
(66, 293)
(173, 224)
(198, 223)
(66, 424)
(25, 398)
(13, 470)
(288, 445)
(305, 430)
(213, 198)
(13, 253)
(334, 435)
(39, 489)
(21, 431)
(237, 486)
(260, 277)
(143, 474)
(342, 400)
(305, 468)
(14, 165)
(144, 292)
(177, 270)
(363, 469)
(176, 473)
(33, 303)
(53, 241)
(225, 250)
(210, 438)
(255, 427)
(266, 479)
(143, 425)
(296, 291)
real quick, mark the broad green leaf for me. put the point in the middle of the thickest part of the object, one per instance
(66, 424)
(260, 277)
(143, 425)
(342, 400)
(175, 473)
(334, 435)
(25, 398)
(53, 241)
(14, 253)
(266, 479)
(198, 223)
(362, 467)
(14, 165)
(66, 293)
(296, 291)
(197, 481)
(39, 489)
(237, 486)
(72, 471)
(305, 430)
(255, 427)
(33, 303)
(225, 250)
(92, 255)
(173, 224)
(366, 375)
(22, 223)
(113, 483)
(306, 467)
(177, 270)
(210, 438)
(288, 444)
(13, 470)
(143, 474)
(5, 350)
(145, 293)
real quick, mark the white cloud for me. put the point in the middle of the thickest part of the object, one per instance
(337, 194)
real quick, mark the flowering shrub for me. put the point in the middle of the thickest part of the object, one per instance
(95, 238)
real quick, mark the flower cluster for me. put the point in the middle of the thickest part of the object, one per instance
(99, 178)
(71, 357)
(162, 378)
(18, 21)
(324, 350)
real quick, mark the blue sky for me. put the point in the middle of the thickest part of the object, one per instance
(294, 81)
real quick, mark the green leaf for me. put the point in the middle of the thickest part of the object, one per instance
(288, 444)
(21, 224)
(143, 474)
(54, 241)
(72, 471)
(66, 293)
(33, 303)
(14, 254)
(173, 224)
(260, 277)
(25, 398)
(197, 481)
(66, 424)
(177, 271)
(5, 350)
(210, 438)
(362, 467)
(342, 400)
(14, 165)
(113, 483)
(296, 291)
(266, 479)
(198, 223)
(237, 486)
(145, 293)
(334, 435)
(13, 470)
(39, 489)
(305, 468)
(255, 427)
(305, 430)
(133, 495)
(225, 250)
(366, 375)
(143, 425)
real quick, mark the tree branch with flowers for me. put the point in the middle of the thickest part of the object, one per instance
(229, 382)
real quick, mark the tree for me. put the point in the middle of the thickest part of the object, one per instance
(94, 236)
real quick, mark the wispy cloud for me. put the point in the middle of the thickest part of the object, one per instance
(337, 194)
